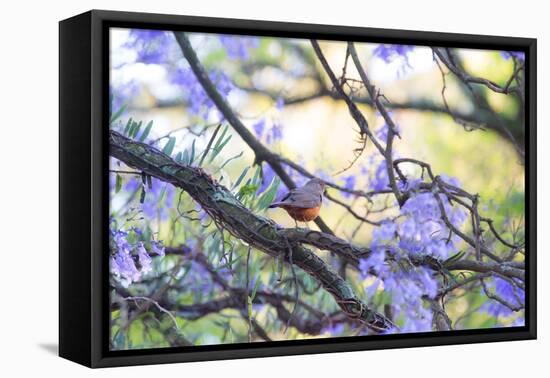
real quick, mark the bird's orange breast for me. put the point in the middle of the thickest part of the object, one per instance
(301, 214)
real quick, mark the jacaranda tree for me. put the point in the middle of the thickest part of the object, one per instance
(400, 245)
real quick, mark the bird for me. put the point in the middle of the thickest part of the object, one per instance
(303, 204)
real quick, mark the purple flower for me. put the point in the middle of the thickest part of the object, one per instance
(279, 104)
(385, 233)
(407, 229)
(157, 248)
(513, 54)
(158, 199)
(388, 52)
(199, 103)
(150, 46)
(380, 180)
(349, 183)
(423, 231)
(382, 131)
(450, 180)
(427, 281)
(122, 94)
(334, 329)
(512, 294)
(239, 47)
(275, 133)
(375, 261)
(410, 184)
(519, 321)
(259, 128)
(407, 289)
(129, 258)
(112, 182)
(122, 265)
(143, 258)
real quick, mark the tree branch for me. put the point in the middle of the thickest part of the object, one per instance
(261, 152)
(447, 57)
(253, 229)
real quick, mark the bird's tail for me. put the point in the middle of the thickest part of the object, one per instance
(275, 204)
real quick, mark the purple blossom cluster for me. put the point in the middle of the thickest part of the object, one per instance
(512, 294)
(122, 93)
(198, 101)
(388, 52)
(129, 258)
(270, 131)
(380, 180)
(151, 46)
(418, 231)
(382, 132)
(406, 284)
(239, 47)
(349, 183)
(334, 329)
(197, 278)
(513, 54)
(423, 232)
(159, 199)
(270, 134)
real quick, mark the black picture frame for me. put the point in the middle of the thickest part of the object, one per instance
(83, 196)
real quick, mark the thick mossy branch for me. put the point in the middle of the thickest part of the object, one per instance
(327, 242)
(260, 232)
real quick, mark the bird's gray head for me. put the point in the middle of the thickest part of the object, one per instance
(316, 184)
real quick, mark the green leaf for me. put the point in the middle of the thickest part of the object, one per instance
(136, 128)
(268, 196)
(128, 125)
(219, 149)
(217, 145)
(131, 128)
(117, 115)
(256, 180)
(248, 189)
(255, 289)
(229, 161)
(454, 258)
(145, 132)
(185, 157)
(192, 155)
(169, 147)
(249, 306)
(118, 184)
(227, 264)
(209, 144)
(280, 263)
(241, 177)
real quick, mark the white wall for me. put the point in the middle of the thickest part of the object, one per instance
(28, 185)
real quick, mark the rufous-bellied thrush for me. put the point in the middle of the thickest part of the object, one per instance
(303, 204)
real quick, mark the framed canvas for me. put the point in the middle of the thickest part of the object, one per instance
(235, 188)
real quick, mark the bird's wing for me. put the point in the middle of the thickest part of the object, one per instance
(302, 198)
(282, 201)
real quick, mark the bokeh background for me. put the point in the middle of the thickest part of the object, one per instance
(277, 88)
